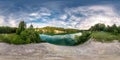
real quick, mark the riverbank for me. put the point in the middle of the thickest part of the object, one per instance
(45, 51)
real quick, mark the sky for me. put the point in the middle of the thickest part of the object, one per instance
(78, 14)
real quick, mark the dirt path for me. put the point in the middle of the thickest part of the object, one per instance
(44, 51)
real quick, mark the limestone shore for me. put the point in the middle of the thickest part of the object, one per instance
(90, 50)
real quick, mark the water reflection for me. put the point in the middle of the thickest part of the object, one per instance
(67, 39)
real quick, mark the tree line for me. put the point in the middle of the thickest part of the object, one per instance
(50, 30)
(6, 29)
(102, 27)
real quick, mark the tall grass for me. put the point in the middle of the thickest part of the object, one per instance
(105, 36)
(6, 37)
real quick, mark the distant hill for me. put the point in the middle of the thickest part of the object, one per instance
(55, 30)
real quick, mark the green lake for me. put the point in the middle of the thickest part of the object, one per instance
(67, 39)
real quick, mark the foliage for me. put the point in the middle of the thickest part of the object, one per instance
(20, 39)
(83, 38)
(105, 36)
(22, 36)
(21, 27)
(51, 30)
(6, 37)
(17, 40)
(98, 27)
(6, 29)
(113, 29)
(30, 36)
(31, 26)
(101, 27)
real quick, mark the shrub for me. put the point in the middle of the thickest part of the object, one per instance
(6, 37)
(30, 36)
(83, 38)
(17, 40)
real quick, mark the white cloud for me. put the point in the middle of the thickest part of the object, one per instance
(39, 14)
(37, 25)
(13, 19)
(36, 14)
(92, 15)
(9, 22)
(89, 16)
(33, 14)
(63, 17)
(46, 14)
(12, 22)
(1, 20)
(82, 17)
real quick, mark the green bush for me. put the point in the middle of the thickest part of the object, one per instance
(6, 37)
(30, 36)
(17, 40)
(26, 37)
(83, 38)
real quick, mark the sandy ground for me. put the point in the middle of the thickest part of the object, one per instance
(91, 50)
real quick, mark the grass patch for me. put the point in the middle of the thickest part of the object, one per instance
(6, 37)
(13, 39)
(105, 36)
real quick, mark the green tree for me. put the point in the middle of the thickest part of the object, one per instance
(30, 36)
(118, 29)
(21, 27)
(108, 29)
(31, 26)
(6, 29)
(114, 29)
(98, 27)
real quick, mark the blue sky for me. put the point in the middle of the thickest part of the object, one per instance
(79, 14)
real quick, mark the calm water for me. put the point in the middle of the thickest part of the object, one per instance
(67, 39)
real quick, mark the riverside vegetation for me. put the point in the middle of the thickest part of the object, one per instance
(101, 33)
(23, 35)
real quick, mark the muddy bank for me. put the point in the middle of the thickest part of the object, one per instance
(45, 51)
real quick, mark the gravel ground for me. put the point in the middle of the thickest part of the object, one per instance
(45, 51)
